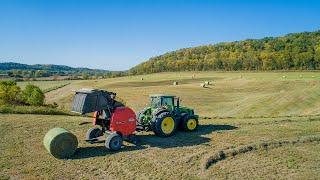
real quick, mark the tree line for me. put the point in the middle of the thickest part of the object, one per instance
(25, 71)
(296, 51)
(31, 72)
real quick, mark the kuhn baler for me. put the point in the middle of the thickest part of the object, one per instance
(114, 119)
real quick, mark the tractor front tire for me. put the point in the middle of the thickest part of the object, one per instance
(164, 125)
(93, 133)
(189, 123)
(114, 142)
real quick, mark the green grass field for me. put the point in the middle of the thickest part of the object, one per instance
(266, 125)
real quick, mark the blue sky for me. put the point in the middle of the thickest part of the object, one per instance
(118, 34)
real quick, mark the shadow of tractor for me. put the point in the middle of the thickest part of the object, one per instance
(180, 139)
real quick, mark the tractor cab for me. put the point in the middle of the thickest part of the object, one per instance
(169, 102)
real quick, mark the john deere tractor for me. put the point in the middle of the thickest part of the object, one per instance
(164, 116)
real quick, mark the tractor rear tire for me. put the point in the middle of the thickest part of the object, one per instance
(189, 123)
(114, 142)
(93, 133)
(164, 125)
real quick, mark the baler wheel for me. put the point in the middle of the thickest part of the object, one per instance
(93, 133)
(113, 141)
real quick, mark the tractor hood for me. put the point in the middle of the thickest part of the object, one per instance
(187, 110)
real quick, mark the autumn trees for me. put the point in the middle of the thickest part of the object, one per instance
(299, 51)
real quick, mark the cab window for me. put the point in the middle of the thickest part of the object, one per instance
(167, 102)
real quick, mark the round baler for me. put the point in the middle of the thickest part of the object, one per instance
(111, 117)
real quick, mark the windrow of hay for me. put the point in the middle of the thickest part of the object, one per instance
(227, 153)
(55, 87)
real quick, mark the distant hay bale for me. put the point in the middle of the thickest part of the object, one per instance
(300, 76)
(284, 76)
(175, 83)
(60, 143)
(313, 76)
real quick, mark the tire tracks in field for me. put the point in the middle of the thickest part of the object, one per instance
(221, 155)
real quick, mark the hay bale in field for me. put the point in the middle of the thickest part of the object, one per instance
(175, 83)
(300, 76)
(284, 76)
(60, 143)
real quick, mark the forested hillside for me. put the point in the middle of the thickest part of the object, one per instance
(7, 66)
(297, 51)
(46, 70)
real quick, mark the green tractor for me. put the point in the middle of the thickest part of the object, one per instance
(164, 116)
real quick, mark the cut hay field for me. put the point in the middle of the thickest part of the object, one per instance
(231, 95)
(253, 126)
(183, 156)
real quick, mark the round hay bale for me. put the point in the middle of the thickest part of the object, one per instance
(175, 83)
(60, 143)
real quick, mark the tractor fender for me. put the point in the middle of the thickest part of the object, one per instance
(159, 111)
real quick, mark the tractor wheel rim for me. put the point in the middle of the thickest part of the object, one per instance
(191, 124)
(167, 125)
